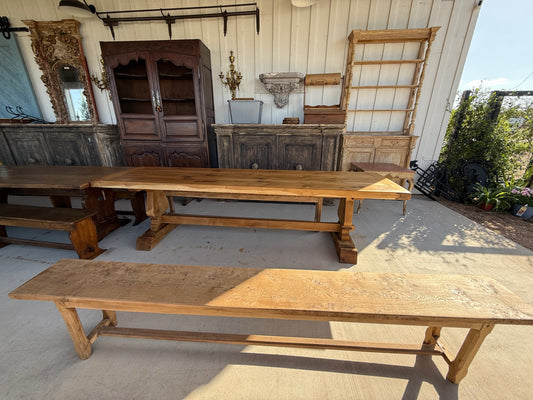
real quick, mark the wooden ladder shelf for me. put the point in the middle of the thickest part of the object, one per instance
(389, 36)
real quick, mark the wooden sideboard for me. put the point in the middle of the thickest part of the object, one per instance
(313, 147)
(59, 144)
(376, 148)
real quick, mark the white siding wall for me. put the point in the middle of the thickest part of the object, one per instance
(307, 40)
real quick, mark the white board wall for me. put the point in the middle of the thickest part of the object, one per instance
(291, 39)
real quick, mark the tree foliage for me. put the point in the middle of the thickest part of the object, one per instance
(503, 145)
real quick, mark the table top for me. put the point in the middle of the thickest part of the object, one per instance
(52, 177)
(418, 299)
(381, 167)
(333, 184)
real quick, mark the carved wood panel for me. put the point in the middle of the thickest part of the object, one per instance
(186, 156)
(145, 155)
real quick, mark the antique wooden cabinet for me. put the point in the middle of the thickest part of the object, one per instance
(372, 147)
(310, 147)
(58, 144)
(163, 99)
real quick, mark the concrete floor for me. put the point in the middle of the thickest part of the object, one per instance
(39, 362)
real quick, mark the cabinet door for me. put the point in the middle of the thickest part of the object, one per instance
(194, 156)
(179, 100)
(134, 95)
(355, 155)
(68, 148)
(299, 152)
(28, 148)
(393, 156)
(145, 155)
(255, 152)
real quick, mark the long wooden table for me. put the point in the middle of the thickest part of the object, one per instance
(269, 185)
(432, 300)
(61, 183)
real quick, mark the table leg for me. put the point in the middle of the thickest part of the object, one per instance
(156, 205)
(61, 201)
(103, 202)
(138, 206)
(3, 195)
(82, 345)
(343, 242)
(459, 366)
(318, 210)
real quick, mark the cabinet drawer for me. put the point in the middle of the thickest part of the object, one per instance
(358, 142)
(140, 128)
(395, 142)
(182, 130)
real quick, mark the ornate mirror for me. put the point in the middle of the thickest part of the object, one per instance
(58, 52)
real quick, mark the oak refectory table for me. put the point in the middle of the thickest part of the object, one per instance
(267, 185)
(431, 300)
(61, 183)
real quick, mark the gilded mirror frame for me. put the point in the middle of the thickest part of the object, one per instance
(57, 44)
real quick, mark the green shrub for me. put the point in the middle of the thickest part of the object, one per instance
(501, 145)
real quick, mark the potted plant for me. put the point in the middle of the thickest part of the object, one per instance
(497, 198)
(523, 206)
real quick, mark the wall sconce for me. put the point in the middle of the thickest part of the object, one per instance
(77, 8)
(104, 83)
(233, 78)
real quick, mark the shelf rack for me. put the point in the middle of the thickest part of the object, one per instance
(424, 36)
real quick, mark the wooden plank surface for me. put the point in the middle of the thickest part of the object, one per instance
(52, 177)
(409, 299)
(334, 184)
(41, 217)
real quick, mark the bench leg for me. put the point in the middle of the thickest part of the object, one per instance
(459, 366)
(82, 345)
(84, 239)
(111, 316)
(432, 335)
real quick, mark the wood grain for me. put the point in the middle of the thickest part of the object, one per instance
(332, 184)
(409, 299)
(52, 177)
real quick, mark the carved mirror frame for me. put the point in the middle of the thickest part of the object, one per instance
(57, 44)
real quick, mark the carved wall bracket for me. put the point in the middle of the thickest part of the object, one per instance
(281, 84)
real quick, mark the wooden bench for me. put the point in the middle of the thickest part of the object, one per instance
(387, 170)
(78, 223)
(435, 301)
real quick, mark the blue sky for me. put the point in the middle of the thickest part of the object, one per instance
(501, 52)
